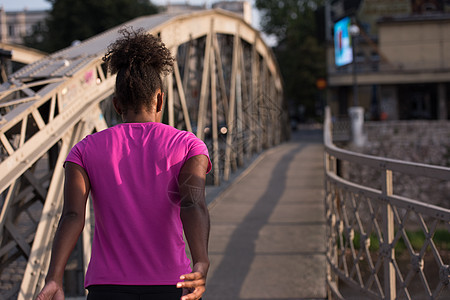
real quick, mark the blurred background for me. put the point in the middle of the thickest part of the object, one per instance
(398, 69)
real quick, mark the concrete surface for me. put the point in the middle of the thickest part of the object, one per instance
(268, 227)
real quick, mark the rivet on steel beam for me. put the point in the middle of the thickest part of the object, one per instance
(385, 250)
(350, 233)
(365, 241)
(417, 262)
(444, 274)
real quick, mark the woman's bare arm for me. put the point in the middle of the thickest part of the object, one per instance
(195, 219)
(71, 223)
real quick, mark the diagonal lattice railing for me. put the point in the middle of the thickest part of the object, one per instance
(382, 245)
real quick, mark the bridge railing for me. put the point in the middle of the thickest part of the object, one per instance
(381, 245)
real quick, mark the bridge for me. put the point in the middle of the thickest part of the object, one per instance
(22, 54)
(278, 232)
(225, 88)
(18, 54)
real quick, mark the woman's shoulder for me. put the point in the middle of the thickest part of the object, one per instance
(180, 137)
(174, 131)
(98, 136)
(159, 130)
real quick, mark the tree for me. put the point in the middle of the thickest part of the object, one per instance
(72, 20)
(300, 49)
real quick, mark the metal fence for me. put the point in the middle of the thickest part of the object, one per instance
(381, 245)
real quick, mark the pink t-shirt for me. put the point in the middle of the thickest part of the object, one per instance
(133, 170)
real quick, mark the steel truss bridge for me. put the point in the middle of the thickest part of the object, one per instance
(16, 53)
(226, 88)
(22, 54)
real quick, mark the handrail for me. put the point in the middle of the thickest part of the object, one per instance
(377, 216)
(405, 167)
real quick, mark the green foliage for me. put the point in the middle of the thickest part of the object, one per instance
(374, 242)
(416, 238)
(289, 19)
(300, 50)
(441, 239)
(71, 20)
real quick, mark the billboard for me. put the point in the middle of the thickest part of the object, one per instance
(343, 53)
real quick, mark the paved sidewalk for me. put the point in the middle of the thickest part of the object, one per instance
(268, 227)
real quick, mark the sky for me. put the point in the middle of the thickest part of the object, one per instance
(17, 5)
(43, 4)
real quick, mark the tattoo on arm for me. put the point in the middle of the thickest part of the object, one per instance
(193, 194)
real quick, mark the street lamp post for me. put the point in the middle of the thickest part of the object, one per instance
(354, 32)
(356, 112)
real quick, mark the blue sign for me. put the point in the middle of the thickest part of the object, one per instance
(342, 42)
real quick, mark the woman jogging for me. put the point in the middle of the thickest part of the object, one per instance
(147, 182)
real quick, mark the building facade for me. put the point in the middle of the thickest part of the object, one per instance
(15, 25)
(401, 61)
(242, 8)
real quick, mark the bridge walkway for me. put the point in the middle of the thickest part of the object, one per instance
(268, 227)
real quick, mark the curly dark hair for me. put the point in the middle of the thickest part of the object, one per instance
(139, 59)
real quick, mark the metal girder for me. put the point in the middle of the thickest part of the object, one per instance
(22, 54)
(225, 81)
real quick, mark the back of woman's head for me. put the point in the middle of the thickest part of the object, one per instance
(139, 59)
